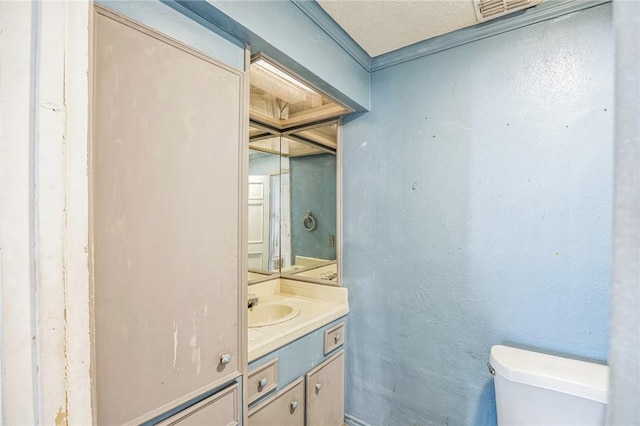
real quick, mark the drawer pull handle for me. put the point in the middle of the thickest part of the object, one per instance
(318, 387)
(337, 338)
(225, 359)
(263, 382)
(294, 405)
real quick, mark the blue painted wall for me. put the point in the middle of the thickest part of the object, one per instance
(261, 163)
(478, 211)
(281, 30)
(313, 188)
(284, 26)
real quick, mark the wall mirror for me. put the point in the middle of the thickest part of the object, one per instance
(292, 203)
(293, 137)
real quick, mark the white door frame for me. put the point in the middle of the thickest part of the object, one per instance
(44, 227)
(259, 248)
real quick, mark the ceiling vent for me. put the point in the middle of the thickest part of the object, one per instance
(490, 9)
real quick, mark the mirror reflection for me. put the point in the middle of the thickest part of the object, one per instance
(282, 101)
(292, 204)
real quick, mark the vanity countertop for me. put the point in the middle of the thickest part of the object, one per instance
(319, 305)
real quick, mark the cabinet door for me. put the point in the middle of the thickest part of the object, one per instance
(285, 408)
(165, 214)
(325, 393)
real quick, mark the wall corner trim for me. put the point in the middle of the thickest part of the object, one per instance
(317, 14)
(545, 11)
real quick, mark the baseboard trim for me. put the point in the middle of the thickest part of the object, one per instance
(350, 420)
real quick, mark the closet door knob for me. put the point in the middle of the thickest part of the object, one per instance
(263, 382)
(225, 359)
(318, 387)
(294, 405)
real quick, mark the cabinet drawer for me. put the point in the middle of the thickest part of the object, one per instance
(285, 408)
(325, 393)
(334, 338)
(220, 409)
(262, 380)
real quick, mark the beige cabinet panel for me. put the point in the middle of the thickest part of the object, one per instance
(325, 393)
(262, 380)
(220, 409)
(165, 215)
(334, 338)
(285, 408)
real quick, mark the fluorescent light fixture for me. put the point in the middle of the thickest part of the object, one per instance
(275, 70)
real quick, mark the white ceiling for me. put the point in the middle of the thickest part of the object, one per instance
(381, 26)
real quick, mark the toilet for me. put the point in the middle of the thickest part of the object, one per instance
(539, 389)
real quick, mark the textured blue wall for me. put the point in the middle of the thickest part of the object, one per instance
(478, 211)
(261, 163)
(313, 188)
(281, 30)
(284, 26)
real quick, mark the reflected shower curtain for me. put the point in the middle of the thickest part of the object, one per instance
(280, 222)
(285, 222)
(274, 224)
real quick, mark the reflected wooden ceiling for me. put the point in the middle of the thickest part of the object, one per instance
(280, 100)
(316, 139)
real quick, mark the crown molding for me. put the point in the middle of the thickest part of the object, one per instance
(317, 14)
(542, 12)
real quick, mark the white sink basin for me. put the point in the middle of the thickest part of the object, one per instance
(270, 313)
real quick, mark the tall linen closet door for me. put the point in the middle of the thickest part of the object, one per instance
(165, 210)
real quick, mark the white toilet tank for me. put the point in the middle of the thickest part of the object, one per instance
(540, 389)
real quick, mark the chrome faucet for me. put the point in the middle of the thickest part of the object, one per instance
(253, 300)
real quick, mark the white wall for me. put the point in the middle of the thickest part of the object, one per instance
(44, 281)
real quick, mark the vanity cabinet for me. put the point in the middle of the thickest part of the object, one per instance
(310, 388)
(166, 191)
(323, 404)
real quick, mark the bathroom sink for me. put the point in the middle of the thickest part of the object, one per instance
(272, 313)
